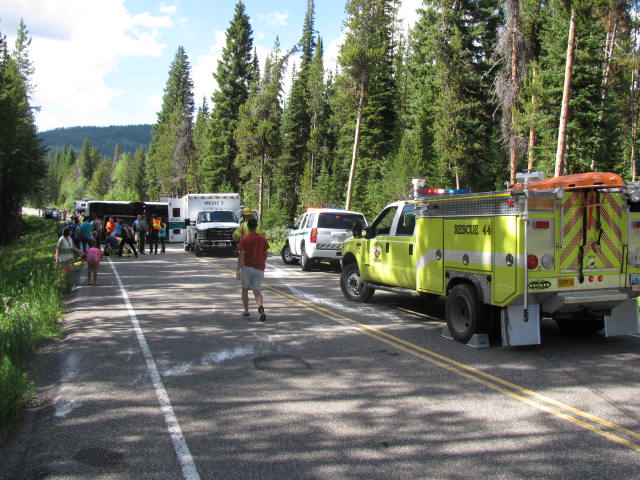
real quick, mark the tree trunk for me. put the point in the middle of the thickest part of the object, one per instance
(261, 186)
(612, 31)
(354, 155)
(513, 148)
(566, 92)
(532, 130)
(634, 122)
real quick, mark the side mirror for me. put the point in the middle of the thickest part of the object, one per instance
(187, 222)
(290, 225)
(369, 232)
(357, 229)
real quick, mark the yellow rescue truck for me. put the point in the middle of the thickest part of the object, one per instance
(567, 248)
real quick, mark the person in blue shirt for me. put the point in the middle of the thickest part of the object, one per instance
(86, 233)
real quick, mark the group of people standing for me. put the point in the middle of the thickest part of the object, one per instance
(84, 239)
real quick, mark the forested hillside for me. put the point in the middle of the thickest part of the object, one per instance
(473, 93)
(129, 137)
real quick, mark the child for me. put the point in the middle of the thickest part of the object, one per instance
(93, 262)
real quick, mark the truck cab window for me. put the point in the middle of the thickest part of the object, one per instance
(382, 224)
(407, 221)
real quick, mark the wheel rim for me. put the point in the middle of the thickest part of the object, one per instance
(354, 284)
(461, 318)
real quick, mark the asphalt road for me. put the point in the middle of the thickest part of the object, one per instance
(157, 377)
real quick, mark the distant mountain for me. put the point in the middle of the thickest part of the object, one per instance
(129, 137)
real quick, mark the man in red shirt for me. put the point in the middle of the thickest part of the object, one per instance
(251, 264)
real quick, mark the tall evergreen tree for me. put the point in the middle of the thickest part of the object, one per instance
(460, 39)
(22, 167)
(296, 122)
(367, 57)
(321, 142)
(236, 70)
(200, 142)
(258, 133)
(171, 149)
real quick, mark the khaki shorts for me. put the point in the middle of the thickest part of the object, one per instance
(252, 278)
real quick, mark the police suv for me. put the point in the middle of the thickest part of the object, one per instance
(318, 235)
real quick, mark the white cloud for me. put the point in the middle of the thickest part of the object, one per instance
(168, 9)
(203, 68)
(275, 19)
(75, 44)
(407, 13)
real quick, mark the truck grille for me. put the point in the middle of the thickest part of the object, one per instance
(219, 234)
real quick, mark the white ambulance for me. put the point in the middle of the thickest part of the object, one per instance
(188, 222)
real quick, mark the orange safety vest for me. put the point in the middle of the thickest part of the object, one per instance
(155, 223)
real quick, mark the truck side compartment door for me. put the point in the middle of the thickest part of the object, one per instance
(430, 259)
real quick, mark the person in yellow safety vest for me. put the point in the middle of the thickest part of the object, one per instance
(243, 228)
(156, 225)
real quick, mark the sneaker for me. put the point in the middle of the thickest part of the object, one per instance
(245, 315)
(263, 316)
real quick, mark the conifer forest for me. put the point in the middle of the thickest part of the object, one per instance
(474, 92)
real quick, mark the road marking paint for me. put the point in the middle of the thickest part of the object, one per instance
(529, 397)
(189, 470)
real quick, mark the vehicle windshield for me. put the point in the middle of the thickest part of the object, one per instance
(219, 216)
(342, 221)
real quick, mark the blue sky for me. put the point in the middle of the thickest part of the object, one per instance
(105, 62)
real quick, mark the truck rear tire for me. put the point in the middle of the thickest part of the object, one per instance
(305, 262)
(352, 285)
(287, 256)
(464, 313)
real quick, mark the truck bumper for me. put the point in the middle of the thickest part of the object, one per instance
(215, 245)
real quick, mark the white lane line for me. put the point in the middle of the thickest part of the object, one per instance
(189, 470)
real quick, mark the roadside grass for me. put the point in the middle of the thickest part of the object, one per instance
(276, 237)
(31, 291)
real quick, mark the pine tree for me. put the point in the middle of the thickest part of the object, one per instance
(296, 121)
(171, 150)
(195, 181)
(512, 53)
(22, 167)
(367, 57)
(459, 38)
(258, 133)
(321, 142)
(124, 187)
(236, 70)
(101, 182)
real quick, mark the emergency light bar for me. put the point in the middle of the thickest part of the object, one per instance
(439, 191)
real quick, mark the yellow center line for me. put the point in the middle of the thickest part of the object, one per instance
(525, 395)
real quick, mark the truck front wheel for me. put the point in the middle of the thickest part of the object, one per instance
(352, 285)
(197, 250)
(463, 311)
(287, 256)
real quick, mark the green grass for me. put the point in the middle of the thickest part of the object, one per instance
(276, 237)
(31, 291)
